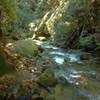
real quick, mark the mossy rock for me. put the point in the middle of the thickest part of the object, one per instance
(47, 78)
(26, 48)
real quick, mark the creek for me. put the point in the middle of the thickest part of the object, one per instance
(79, 79)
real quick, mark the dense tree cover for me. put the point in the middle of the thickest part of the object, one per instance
(65, 19)
(63, 25)
(61, 18)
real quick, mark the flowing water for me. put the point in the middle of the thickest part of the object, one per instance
(79, 79)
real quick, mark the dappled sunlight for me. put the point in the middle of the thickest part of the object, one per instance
(67, 23)
(38, 42)
(49, 50)
(9, 44)
(31, 26)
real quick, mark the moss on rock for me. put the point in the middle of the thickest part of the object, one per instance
(47, 78)
(26, 48)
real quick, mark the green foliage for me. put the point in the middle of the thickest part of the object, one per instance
(87, 43)
(26, 48)
(86, 40)
(65, 16)
(24, 15)
(97, 39)
(7, 14)
(9, 7)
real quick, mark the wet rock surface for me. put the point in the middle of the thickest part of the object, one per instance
(86, 56)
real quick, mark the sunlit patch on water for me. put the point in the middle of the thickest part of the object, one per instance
(46, 46)
(59, 57)
(38, 42)
(72, 57)
(59, 60)
(57, 53)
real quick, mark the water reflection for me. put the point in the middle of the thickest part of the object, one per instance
(59, 60)
(84, 77)
(59, 57)
(49, 47)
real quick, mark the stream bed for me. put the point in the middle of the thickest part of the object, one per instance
(54, 74)
(78, 79)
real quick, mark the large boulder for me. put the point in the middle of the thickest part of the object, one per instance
(86, 56)
(47, 78)
(26, 48)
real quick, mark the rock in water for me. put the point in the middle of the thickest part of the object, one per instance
(86, 56)
(47, 78)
